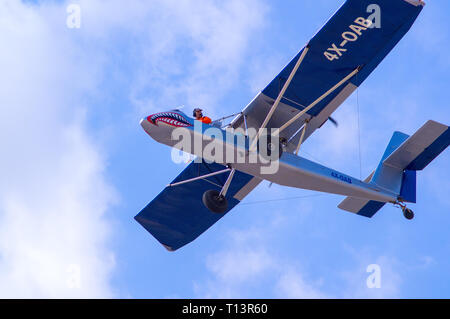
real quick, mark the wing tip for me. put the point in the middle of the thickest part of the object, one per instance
(417, 2)
(170, 249)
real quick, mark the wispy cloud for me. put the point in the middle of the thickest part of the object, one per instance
(185, 51)
(53, 192)
(292, 285)
(356, 278)
(249, 262)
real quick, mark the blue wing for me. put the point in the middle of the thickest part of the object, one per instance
(342, 45)
(177, 216)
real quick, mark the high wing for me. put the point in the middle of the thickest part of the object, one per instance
(177, 215)
(346, 43)
(341, 46)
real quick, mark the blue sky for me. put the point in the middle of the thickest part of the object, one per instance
(76, 166)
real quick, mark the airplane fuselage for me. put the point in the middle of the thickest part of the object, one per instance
(214, 144)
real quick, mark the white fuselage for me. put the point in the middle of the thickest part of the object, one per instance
(289, 170)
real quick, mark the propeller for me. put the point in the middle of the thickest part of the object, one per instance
(332, 120)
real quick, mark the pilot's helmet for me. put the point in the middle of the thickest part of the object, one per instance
(196, 110)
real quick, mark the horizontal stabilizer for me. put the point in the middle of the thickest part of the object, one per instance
(362, 207)
(420, 149)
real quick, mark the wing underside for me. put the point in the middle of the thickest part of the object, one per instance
(342, 45)
(177, 215)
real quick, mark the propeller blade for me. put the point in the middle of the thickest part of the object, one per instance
(332, 120)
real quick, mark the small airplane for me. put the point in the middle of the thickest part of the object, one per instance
(303, 97)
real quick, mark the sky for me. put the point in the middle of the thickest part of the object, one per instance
(76, 167)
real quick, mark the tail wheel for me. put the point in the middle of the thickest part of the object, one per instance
(215, 202)
(408, 213)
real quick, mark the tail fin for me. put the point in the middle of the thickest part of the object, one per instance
(397, 170)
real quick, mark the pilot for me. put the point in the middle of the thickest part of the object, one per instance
(198, 115)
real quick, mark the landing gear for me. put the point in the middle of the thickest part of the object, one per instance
(408, 213)
(215, 202)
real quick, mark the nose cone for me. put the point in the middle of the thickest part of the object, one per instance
(146, 125)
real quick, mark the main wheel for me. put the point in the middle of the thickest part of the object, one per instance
(214, 202)
(408, 213)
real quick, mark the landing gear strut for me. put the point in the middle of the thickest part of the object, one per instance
(216, 201)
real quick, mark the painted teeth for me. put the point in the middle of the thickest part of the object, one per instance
(173, 119)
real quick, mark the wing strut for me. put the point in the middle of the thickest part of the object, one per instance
(302, 137)
(225, 188)
(200, 177)
(334, 88)
(280, 96)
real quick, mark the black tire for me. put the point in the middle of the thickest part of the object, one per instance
(408, 213)
(269, 148)
(214, 202)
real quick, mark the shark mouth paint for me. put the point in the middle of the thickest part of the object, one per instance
(169, 118)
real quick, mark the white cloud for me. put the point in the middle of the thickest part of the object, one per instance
(390, 278)
(292, 285)
(250, 264)
(185, 51)
(53, 191)
(54, 221)
(54, 194)
(239, 266)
